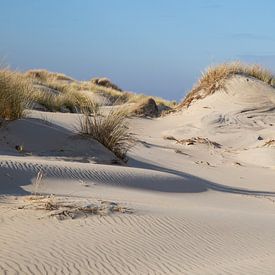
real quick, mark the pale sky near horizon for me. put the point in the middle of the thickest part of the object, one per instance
(157, 47)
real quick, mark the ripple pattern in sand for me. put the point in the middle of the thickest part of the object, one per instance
(20, 171)
(136, 244)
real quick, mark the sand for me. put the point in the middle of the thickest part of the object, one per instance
(197, 208)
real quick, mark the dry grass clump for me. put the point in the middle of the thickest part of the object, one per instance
(15, 92)
(213, 79)
(117, 97)
(58, 86)
(45, 76)
(269, 143)
(54, 91)
(63, 208)
(114, 96)
(111, 129)
(199, 140)
(75, 101)
(71, 100)
(105, 82)
(194, 141)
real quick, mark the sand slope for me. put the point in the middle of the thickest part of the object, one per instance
(198, 208)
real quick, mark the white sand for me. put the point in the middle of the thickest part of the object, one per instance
(197, 209)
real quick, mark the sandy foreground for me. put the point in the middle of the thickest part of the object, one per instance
(199, 187)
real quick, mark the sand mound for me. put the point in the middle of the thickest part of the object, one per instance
(240, 117)
(215, 79)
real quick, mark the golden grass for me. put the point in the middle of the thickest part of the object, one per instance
(44, 75)
(15, 95)
(114, 96)
(214, 77)
(73, 101)
(111, 129)
(62, 97)
(71, 88)
(105, 82)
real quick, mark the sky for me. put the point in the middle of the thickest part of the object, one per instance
(157, 47)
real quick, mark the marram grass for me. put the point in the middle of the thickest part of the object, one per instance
(214, 77)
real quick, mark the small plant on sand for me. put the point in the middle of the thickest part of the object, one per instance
(15, 93)
(110, 129)
(213, 79)
(269, 143)
(37, 183)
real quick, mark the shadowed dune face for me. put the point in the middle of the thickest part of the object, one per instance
(45, 144)
(150, 178)
(44, 139)
(24, 173)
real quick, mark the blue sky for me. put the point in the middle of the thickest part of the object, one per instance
(157, 47)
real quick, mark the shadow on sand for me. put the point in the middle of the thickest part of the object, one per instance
(201, 184)
(141, 176)
(19, 172)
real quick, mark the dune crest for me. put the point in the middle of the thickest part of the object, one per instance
(215, 78)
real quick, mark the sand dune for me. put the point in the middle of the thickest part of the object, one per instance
(198, 208)
(240, 117)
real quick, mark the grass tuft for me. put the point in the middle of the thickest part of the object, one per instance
(111, 130)
(71, 100)
(15, 95)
